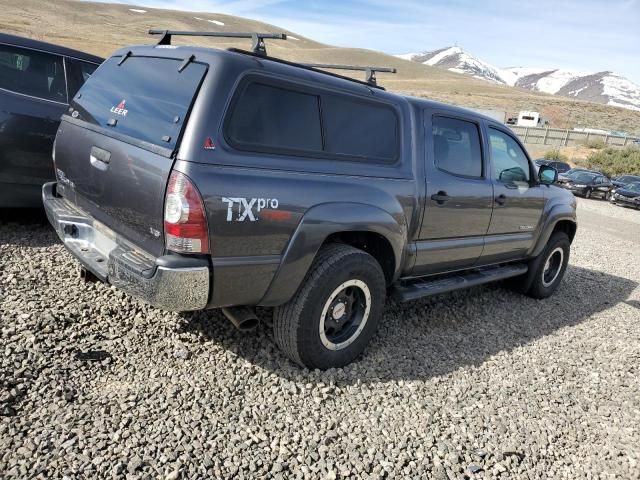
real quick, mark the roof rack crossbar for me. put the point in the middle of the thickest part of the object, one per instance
(258, 46)
(370, 72)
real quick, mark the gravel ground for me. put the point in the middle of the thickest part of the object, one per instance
(477, 384)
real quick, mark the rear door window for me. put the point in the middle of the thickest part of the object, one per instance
(33, 73)
(144, 98)
(457, 147)
(268, 118)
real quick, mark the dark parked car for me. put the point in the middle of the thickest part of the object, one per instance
(627, 196)
(587, 184)
(37, 80)
(566, 176)
(198, 178)
(561, 167)
(623, 180)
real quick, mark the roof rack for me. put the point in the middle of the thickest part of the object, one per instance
(370, 72)
(258, 47)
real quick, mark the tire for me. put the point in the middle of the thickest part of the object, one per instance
(342, 281)
(607, 196)
(587, 193)
(554, 256)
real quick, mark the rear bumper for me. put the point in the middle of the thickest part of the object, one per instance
(170, 282)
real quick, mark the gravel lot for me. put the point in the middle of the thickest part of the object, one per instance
(478, 384)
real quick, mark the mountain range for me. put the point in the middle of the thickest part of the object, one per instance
(605, 87)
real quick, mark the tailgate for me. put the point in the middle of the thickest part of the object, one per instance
(115, 150)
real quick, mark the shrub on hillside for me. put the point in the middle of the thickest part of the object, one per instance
(595, 144)
(556, 155)
(615, 161)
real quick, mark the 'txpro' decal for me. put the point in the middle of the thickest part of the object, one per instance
(240, 209)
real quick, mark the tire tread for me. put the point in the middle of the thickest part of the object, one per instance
(286, 318)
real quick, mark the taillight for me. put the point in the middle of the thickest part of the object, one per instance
(185, 222)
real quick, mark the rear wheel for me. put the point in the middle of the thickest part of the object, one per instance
(549, 267)
(336, 311)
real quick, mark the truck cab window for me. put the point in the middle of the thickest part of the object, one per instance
(509, 163)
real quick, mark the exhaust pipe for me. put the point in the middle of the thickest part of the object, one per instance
(243, 318)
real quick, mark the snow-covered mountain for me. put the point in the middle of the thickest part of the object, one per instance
(459, 61)
(601, 87)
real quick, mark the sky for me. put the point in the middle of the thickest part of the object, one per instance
(586, 35)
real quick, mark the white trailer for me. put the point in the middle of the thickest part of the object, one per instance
(530, 119)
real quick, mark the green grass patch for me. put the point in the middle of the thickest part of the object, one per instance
(615, 161)
(556, 155)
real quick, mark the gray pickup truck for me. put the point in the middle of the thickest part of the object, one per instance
(196, 178)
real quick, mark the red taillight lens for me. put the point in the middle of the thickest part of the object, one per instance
(185, 222)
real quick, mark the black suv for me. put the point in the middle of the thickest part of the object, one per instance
(198, 178)
(37, 80)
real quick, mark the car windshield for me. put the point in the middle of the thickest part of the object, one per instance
(583, 177)
(634, 187)
(628, 179)
(574, 171)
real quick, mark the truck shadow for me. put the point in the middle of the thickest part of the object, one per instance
(438, 335)
(26, 227)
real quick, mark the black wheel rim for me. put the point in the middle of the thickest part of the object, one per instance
(345, 314)
(552, 267)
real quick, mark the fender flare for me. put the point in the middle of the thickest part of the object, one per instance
(557, 213)
(317, 224)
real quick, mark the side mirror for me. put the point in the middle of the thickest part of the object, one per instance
(547, 175)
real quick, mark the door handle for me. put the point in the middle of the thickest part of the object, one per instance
(101, 154)
(501, 199)
(99, 158)
(440, 197)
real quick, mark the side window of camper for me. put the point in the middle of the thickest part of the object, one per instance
(356, 128)
(296, 120)
(266, 117)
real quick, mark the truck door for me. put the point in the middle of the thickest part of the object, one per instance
(519, 199)
(459, 196)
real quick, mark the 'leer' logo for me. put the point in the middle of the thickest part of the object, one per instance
(120, 109)
(208, 144)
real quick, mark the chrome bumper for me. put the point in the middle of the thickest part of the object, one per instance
(170, 282)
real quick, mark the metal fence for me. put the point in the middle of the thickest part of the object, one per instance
(559, 137)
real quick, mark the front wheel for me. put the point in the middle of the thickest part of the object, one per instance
(607, 195)
(336, 311)
(587, 193)
(550, 266)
